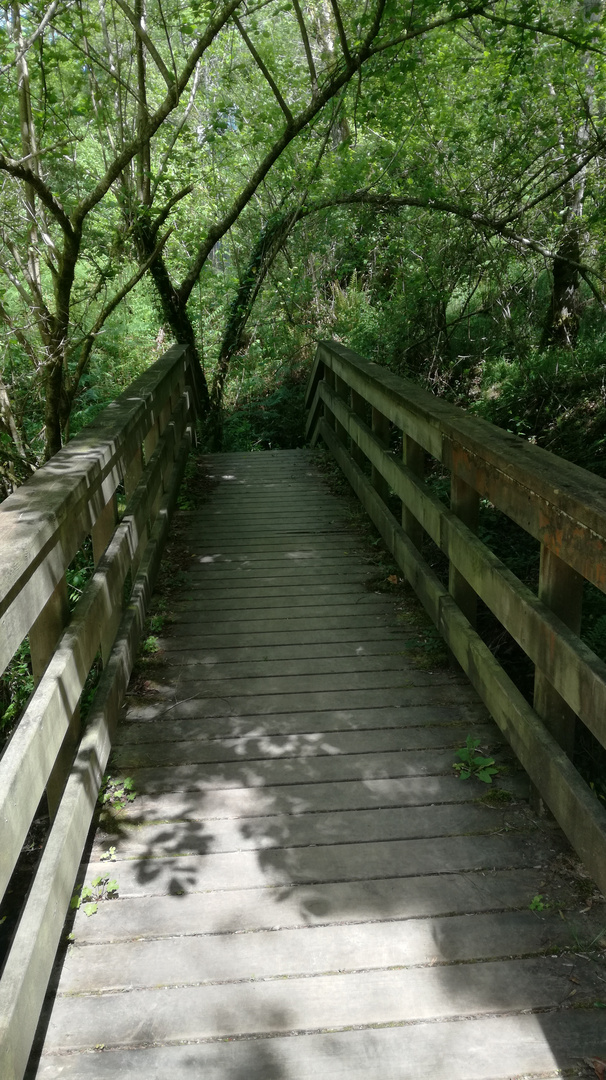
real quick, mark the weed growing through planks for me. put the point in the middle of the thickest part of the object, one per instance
(538, 903)
(472, 764)
(88, 897)
(117, 793)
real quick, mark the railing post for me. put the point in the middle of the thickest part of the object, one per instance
(43, 637)
(357, 404)
(413, 456)
(329, 379)
(561, 588)
(151, 440)
(134, 471)
(102, 532)
(104, 527)
(465, 503)
(381, 427)
(342, 391)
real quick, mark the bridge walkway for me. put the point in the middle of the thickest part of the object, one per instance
(305, 887)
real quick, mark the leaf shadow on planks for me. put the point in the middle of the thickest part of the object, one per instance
(333, 879)
(284, 867)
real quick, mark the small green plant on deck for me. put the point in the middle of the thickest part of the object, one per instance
(472, 764)
(88, 896)
(539, 903)
(117, 793)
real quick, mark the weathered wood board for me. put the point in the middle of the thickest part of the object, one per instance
(305, 887)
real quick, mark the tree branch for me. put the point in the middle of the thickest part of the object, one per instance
(319, 100)
(170, 102)
(341, 30)
(306, 46)
(149, 45)
(498, 228)
(24, 173)
(448, 20)
(264, 69)
(50, 11)
(176, 132)
(543, 29)
(89, 341)
(162, 216)
(580, 165)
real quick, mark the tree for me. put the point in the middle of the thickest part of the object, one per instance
(163, 138)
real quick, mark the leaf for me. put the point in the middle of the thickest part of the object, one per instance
(486, 775)
(90, 909)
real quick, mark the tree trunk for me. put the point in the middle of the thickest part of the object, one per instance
(561, 325)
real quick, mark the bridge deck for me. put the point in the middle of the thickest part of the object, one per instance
(305, 888)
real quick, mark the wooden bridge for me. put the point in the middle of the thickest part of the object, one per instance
(303, 883)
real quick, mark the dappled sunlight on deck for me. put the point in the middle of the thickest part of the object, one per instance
(304, 884)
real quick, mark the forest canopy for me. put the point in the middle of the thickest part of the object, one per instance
(422, 179)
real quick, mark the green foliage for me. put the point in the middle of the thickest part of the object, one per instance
(270, 417)
(88, 897)
(472, 764)
(116, 793)
(150, 645)
(538, 903)
(16, 685)
(80, 571)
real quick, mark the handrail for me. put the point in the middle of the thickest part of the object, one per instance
(141, 441)
(558, 503)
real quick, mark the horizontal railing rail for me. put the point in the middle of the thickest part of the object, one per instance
(140, 442)
(559, 504)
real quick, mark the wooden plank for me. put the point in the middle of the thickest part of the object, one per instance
(344, 635)
(258, 629)
(390, 660)
(176, 705)
(185, 654)
(325, 1002)
(309, 951)
(328, 904)
(497, 1047)
(431, 718)
(373, 766)
(384, 683)
(336, 862)
(312, 798)
(311, 829)
(295, 595)
(311, 744)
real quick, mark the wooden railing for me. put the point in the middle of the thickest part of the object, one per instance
(353, 407)
(141, 441)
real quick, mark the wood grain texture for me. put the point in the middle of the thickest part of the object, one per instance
(305, 886)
